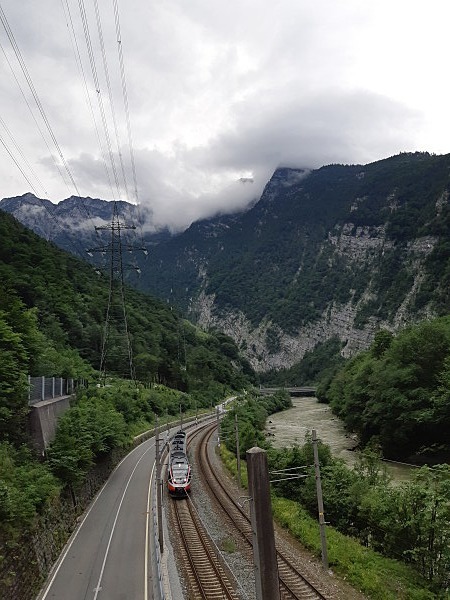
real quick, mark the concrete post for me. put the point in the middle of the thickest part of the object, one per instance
(218, 427)
(322, 525)
(238, 455)
(264, 551)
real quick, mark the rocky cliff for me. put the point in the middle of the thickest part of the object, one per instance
(338, 251)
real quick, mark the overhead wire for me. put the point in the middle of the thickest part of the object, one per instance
(35, 95)
(24, 159)
(78, 251)
(40, 107)
(17, 164)
(76, 50)
(112, 108)
(127, 111)
(55, 162)
(96, 80)
(115, 247)
(110, 95)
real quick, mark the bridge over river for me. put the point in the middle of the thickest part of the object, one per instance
(293, 391)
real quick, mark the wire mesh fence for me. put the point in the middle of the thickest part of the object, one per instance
(46, 388)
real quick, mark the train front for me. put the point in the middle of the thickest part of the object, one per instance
(179, 472)
(179, 478)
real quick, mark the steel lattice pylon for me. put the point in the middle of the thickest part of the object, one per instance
(116, 343)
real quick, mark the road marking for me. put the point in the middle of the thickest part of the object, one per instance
(146, 533)
(115, 522)
(75, 534)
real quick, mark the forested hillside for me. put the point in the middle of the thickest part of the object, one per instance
(333, 253)
(396, 395)
(52, 312)
(68, 302)
(336, 252)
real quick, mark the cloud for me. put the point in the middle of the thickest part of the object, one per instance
(222, 91)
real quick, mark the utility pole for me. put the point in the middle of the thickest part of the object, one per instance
(159, 489)
(181, 419)
(238, 456)
(218, 427)
(323, 537)
(264, 551)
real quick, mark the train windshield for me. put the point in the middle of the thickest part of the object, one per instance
(180, 471)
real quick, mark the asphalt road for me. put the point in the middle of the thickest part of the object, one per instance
(107, 557)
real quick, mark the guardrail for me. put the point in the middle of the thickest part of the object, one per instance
(47, 388)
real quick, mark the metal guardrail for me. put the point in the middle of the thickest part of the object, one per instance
(47, 388)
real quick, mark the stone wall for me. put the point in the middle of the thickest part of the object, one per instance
(26, 561)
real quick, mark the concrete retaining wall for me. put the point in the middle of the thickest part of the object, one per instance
(43, 420)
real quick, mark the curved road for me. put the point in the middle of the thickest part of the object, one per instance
(107, 557)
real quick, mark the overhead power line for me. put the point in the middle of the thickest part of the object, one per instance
(127, 111)
(125, 95)
(110, 95)
(76, 50)
(55, 162)
(24, 159)
(91, 55)
(35, 95)
(17, 164)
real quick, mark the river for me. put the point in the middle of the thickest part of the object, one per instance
(290, 426)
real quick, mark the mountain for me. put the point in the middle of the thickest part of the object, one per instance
(71, 223)
(53, 308)
(336, 252)
(333, 253)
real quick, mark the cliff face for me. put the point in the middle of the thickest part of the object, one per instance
(339, 251)
(337, 319)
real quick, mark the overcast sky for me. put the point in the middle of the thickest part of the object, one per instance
(217, 92)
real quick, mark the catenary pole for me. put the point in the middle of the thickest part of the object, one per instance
(323, 538)
(238, 456)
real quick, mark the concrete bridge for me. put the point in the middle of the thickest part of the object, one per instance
(293, 391)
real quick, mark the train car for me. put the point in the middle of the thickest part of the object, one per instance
(179, 469)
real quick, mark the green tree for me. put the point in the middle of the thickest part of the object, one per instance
(13, 384)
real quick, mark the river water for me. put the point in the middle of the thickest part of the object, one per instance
(290, 426)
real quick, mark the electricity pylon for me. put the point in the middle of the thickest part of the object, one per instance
(116, 343)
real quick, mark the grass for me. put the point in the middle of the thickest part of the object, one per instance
(379, 578)
(228, 545)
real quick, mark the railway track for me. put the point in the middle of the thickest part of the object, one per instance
(205, 577)
(293, 584)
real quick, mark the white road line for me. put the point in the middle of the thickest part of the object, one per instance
(75, 534)
(146, 533)
(97, 587)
